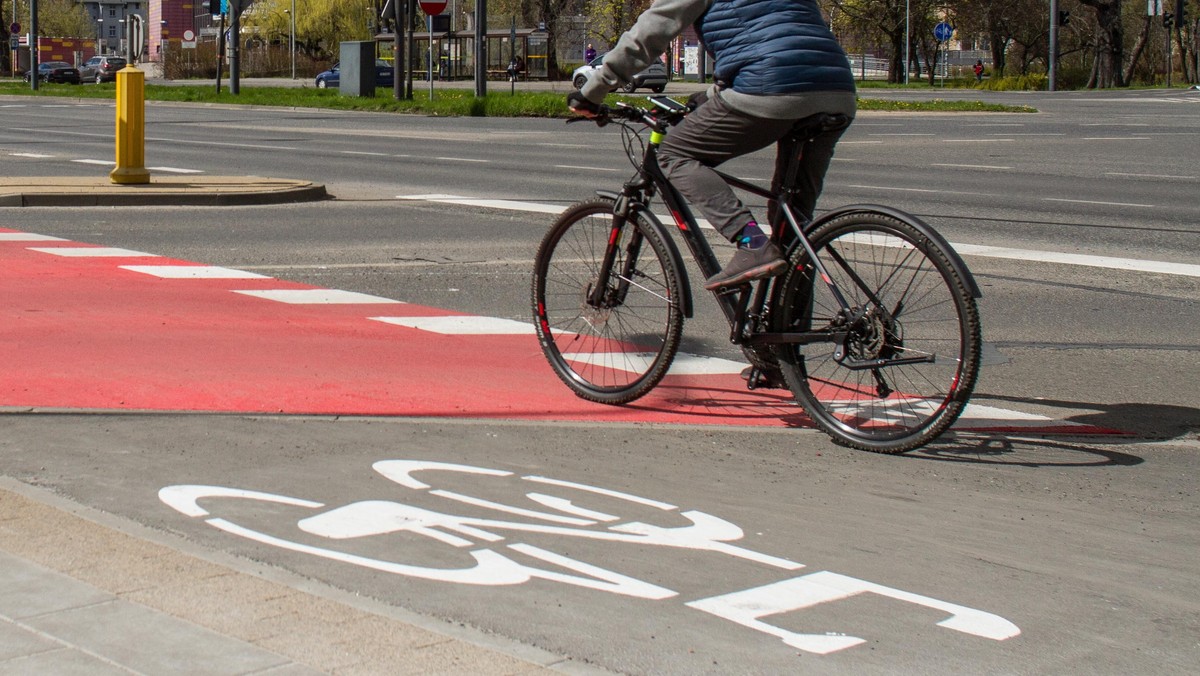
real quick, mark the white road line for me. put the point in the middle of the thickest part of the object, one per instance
(1116, 138)
(192, 272)
(1168, 176)
(316, 296)
(36, 156)
(28, 237)
(969, 166)
(884, 187)
(107, 163)
(685, 364)
(1107, 204)
(1129, 264)
(362, 152)
(516, 205)
(1107, 262)
(462, 325)
(977, 140)
(92, 252)
(462, 159)
(859, 143)
(571, 166)
(176, 170)
(511, 205)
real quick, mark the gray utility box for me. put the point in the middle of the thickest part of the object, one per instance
(357, 69)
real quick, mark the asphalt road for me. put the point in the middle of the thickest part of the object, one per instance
(1084, 545)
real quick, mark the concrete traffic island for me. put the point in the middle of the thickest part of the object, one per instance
(82, 191)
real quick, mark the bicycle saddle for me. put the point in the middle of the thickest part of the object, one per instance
(820, 123)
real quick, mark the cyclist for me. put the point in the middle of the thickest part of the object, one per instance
(777, 62)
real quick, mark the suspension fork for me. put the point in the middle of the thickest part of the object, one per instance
(597, 297)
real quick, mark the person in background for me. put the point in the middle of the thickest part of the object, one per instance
(979, 71)
(589, 54)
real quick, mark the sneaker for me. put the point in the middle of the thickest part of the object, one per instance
(747, 265)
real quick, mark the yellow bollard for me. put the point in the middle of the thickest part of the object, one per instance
(131, 128)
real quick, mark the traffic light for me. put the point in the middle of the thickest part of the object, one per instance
(1064, 17)
(1167, 17)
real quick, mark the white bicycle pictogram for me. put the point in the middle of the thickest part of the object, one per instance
(587, 514)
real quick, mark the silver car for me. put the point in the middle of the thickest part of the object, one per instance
(653, 78)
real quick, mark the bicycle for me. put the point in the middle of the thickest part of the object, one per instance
(873, 325)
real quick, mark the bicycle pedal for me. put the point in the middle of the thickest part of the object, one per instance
(730, 290)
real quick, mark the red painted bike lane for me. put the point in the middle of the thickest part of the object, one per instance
(87, 327)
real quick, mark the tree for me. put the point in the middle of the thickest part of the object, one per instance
(1109, 47)
(608, 19)
(890, 19)
(321, 25)
(56, 19)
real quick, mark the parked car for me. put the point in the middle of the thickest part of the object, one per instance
(653, 78)
(55, 71)
(384, 74)
(101, 68)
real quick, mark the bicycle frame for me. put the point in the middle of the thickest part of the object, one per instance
(651, 179)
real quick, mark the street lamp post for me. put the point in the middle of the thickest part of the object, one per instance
(99, 36)
(293, 45)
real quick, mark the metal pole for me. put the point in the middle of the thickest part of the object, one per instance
(33, 40)
(235, 39)
(293, 39)
(429, 24)
(410, 12)
(480, 48)
(907, 38)
(397, 53)
(1053, 55)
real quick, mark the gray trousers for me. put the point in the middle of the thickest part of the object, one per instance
(714, 133)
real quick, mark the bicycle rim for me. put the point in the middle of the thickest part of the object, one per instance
(615, 351)
(920, 329)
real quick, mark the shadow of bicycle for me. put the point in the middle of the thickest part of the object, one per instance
(1139, 423)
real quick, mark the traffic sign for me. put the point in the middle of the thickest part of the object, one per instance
(14, 28)
(433, 7)
(943, 31)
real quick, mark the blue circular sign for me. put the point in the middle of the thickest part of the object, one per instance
(943, 32)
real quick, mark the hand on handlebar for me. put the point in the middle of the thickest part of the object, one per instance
(581, 105)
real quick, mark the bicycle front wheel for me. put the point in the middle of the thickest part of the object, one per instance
(610, 337)
(900, 362)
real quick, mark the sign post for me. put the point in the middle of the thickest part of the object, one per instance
(431, 8)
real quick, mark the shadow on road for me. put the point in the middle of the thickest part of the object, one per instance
(1140, 422)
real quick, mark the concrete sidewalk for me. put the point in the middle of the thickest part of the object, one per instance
(82, 191)
(78, 596)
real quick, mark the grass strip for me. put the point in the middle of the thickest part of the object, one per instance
(445, 102)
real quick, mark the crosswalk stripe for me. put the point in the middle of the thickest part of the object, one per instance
(462, 325)
(316, 296)
(192, 272)
(92, 252)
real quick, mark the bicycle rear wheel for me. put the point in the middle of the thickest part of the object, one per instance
(901, 363)
(615, 349)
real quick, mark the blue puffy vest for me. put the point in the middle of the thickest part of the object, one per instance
(769, 47)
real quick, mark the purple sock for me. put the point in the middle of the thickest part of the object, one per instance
(752, 237)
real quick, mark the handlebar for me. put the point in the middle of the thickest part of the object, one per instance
(667, 112)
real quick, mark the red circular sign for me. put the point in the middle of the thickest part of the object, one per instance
(433, 7)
